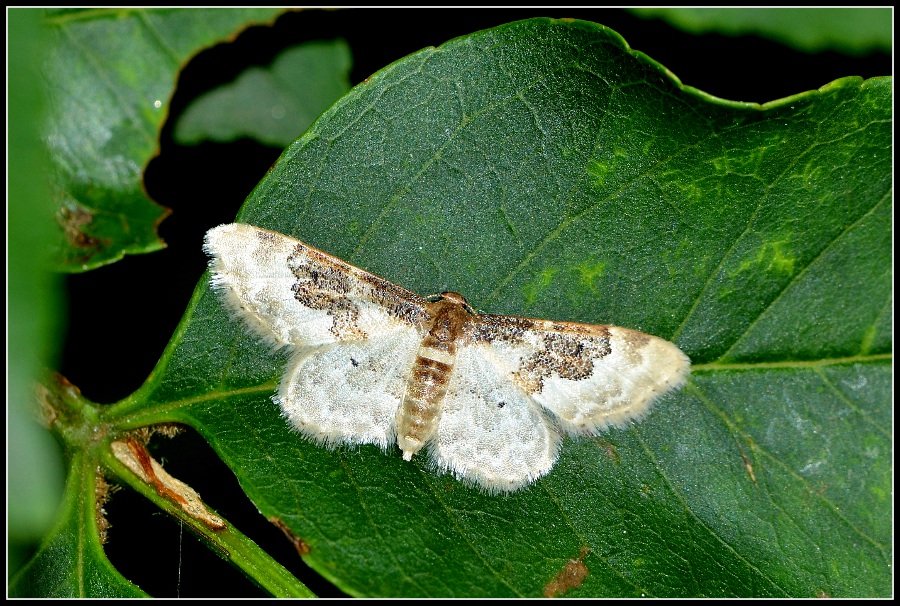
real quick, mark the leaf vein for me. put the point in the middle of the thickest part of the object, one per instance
(797, 277)
(732, 425)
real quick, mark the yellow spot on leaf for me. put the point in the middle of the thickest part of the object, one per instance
(539, 284)
(598, 170)
(772, 257)
(589, 272)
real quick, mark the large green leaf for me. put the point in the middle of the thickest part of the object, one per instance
(544, 169)
(110, 74)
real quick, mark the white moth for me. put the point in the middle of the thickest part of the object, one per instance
(373, 363)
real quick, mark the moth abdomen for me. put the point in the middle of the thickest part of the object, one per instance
(420, 411)
(421, 408)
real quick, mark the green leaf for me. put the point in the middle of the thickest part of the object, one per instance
(70, 562)
(109, 74)
(849, 30)
(275, 104)
(34, 304)
(543, 169)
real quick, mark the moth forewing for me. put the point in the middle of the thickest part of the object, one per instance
(251, 268)
(626, 373)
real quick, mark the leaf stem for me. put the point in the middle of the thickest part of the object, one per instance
(228, 542)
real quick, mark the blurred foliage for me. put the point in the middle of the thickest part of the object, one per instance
(847, 30)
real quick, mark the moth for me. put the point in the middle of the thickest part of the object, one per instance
(488, 396)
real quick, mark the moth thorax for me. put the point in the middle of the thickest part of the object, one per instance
(420, 412)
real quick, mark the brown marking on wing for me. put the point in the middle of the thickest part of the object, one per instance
(326, 283)
(399, 303)
(566, 349)
(569, 355)
(264, 235)
(489, 328)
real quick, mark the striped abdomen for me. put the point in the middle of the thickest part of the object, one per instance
(420, 411)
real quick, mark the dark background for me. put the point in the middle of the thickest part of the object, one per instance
(121, 316)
